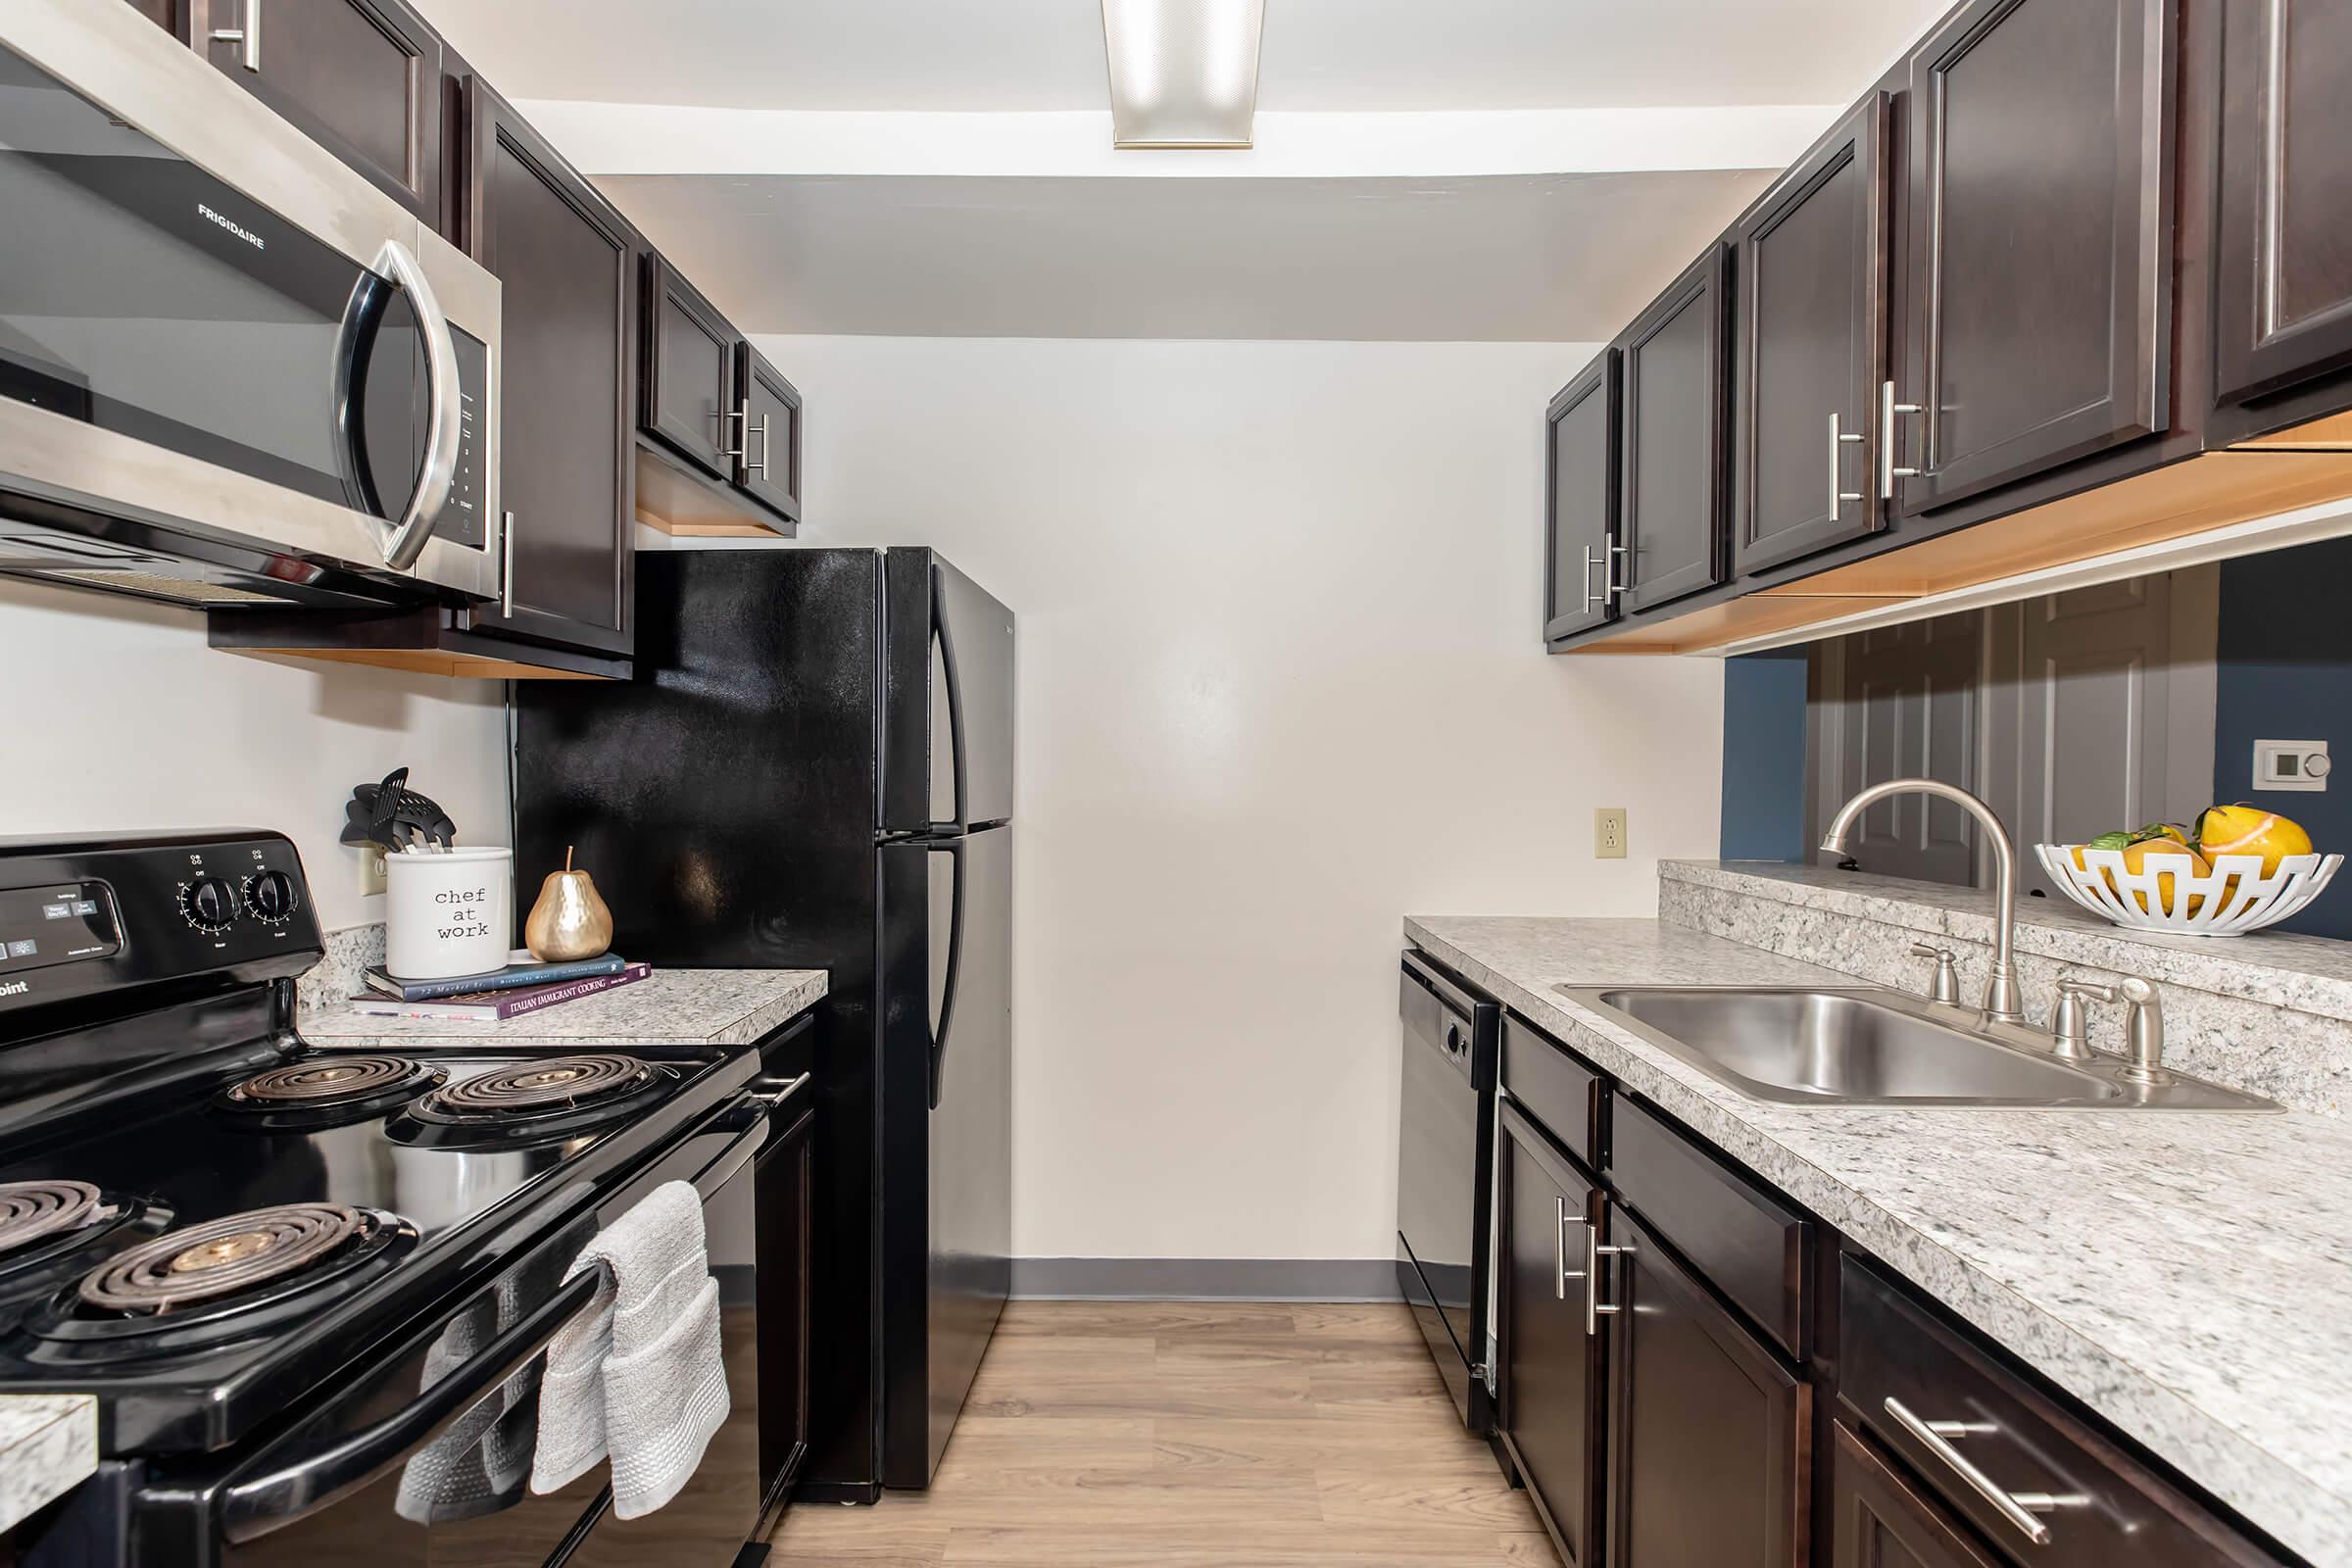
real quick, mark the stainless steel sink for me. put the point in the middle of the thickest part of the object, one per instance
(1871, 1047)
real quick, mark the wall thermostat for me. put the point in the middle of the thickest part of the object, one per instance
(2291, 765)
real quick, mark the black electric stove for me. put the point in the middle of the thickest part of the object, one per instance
(270, 1263)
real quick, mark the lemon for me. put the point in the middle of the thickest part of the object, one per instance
(2243, 829)
(2136, 861)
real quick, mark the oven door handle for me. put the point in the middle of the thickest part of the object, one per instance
(259, 1504)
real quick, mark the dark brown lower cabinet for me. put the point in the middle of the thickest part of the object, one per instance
(1708, 1430)
(1553, 1372)
(1878, 1520)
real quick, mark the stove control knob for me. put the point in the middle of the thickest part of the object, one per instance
(269, 897)
(210, 903)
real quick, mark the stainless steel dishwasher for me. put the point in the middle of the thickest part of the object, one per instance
(1444, 1176)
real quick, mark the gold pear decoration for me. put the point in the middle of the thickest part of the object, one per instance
(569, 922)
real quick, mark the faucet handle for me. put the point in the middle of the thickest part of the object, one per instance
(2070, 1027)
(2145, 1032)
(1945, 987)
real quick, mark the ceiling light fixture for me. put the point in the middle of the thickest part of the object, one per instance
(1183, 73)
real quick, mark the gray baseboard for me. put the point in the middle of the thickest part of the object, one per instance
(1205, 1279)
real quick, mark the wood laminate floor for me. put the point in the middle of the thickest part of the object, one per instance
(1180, 1435)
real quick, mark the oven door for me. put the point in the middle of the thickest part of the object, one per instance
(421, 1458)
(218, 344)
(1444, 1141)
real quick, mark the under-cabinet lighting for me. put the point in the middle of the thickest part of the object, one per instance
(1183, 73)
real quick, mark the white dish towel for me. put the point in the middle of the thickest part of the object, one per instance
(638, 1378)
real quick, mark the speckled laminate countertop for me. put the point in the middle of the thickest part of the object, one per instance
(2184, 1275)
(669, 1007)
(48, 1447)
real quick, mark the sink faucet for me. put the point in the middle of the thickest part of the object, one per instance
(2005, 1001)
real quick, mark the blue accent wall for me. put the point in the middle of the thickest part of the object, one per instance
(2283, 672)
(1764, 756)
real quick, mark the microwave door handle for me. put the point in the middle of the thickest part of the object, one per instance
(408, 537)
(257, 1505)
(363, 313)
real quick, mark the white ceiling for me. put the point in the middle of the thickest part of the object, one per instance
(1048, 54)
(1427, 169)
(1566, 258)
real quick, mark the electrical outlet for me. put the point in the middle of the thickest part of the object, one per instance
(371, 869)
(1608, 833)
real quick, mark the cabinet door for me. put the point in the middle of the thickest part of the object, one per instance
(361, 78)
(2283, 267)
(1708, 1431)
(786, 1191)
(690, 401)
(566, 261)
(1878, 1520)
(768, 466)
(1674, 481)
(1552, 1366)
(1811, 264)
(1579, 534)
(2039, 253)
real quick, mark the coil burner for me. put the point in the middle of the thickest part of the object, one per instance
(327, 1089)
(239, 1260)
(31, 1210)
(529, 1100)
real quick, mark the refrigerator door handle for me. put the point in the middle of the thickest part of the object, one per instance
(954, 849)
(946, 661)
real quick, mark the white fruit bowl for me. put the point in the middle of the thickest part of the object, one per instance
(2228, 901)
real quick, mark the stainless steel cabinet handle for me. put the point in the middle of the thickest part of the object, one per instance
(759, 468)
(1562, 1273)
(506, 574)
(248, 38)
(1592, 561)
(737, 450)
(774, 1098)
(1595, 1307)
(1888, 442)
(2016, 1508)
(1616, 584)
(1838, 437)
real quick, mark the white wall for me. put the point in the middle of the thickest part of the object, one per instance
(1280, 685)
(121, 719)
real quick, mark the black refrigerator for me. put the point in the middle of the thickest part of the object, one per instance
(813, 768)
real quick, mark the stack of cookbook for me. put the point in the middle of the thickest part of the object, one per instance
(523, 987)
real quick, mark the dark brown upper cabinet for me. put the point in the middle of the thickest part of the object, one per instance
(2284, 250)
(689, 403)
(1708, 1432)
(1811, 264)
(1675, 490)
(1580, 552)
(361, 78)
(566, 467)
(2038, 256)
(768, 462)
(1553, 1375)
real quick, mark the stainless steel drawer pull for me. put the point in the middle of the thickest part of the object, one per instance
(774, 1098)
(1888, 472)
(2017, 1508)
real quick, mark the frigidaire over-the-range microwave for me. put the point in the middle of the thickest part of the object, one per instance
(232, 371)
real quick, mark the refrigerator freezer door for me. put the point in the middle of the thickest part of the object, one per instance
(946, 1178)
(950, 687)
